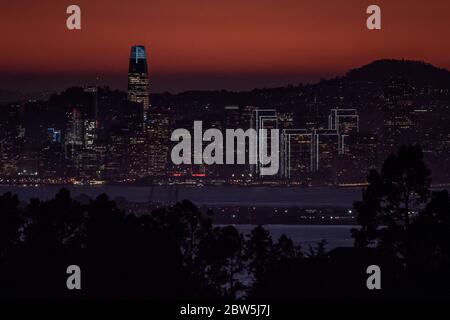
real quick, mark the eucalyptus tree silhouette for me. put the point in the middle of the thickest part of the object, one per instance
(403, 220)
(392, 199)
(259, 251)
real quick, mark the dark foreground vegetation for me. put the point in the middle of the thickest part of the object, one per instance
(176, 252)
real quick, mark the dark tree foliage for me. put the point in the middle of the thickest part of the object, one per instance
(177, 253)
(404, 229)
(10, 220)
(402, 220)
(393, 199)
(259, 251)
(285, 248)
(221, 255)
(121, 256)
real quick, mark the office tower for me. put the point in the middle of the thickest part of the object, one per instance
(89, 133)
(101, 149)
(346, 123)
(326, 148)
(138, 82)
(246, 121)
(264, 119)
(93, 91)
(74, 133)
(117, 162)
(297, 148)
(53, 135)
(232, 117)
(158, 137)
(87, 164)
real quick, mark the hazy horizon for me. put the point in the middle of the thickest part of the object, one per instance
(196, 45)
(159, 82)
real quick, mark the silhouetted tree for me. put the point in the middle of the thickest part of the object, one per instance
(403, 219)
(319, 251)
(284, 248)
(11, 218)
(392, 198)
(221, 259)
(119, 255)
(259, 251)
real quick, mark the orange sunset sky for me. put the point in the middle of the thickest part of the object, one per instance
(199, 44)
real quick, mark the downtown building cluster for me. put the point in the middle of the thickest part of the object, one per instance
(331, 133)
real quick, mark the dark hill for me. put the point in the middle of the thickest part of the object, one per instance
(416, 72)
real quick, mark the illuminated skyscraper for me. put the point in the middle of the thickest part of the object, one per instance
(263, 119)
(74, 133)
(138, 82)
(89, 133)
(346, 123)
(157, 148)
(297, 153)
(326, 148)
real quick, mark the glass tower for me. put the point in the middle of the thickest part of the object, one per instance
(138, 82)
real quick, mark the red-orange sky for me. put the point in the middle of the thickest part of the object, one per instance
(204, 44)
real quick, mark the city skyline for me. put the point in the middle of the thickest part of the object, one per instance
(201, 45)
(329, 135)
(203, 156)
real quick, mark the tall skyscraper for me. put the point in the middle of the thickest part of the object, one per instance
(138, 82)
(264, 119)
(297, 153)
(346, 122)
(74, 133)
(326, 148)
